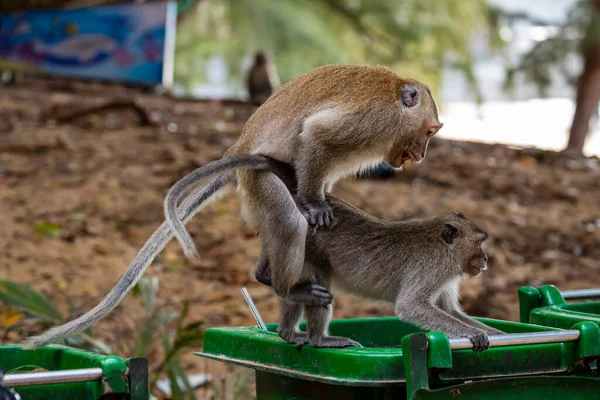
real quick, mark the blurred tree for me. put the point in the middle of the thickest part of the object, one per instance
(588, 87)
(417, 38)
(579, 34)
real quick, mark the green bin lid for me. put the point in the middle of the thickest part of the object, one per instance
(14, 359)
(380, 361)
(547, 306)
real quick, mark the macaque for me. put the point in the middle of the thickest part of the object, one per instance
(262, 79)
(416, 264)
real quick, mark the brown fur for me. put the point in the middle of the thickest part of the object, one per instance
(367, 95)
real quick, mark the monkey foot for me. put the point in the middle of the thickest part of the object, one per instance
(480, 341)
(310, 294)
(334, 342)
(298, 338)
(319, 214)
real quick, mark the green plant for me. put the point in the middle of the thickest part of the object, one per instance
(162, 324)
(418, 38)
(41, 312)
(175, 338)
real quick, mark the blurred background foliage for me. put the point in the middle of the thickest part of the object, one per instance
(414, 37)
(580, 30)
(422, 39)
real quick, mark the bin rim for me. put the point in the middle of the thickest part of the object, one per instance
(378, 366)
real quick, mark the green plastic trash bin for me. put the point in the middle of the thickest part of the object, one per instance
(548, 306)
(399, 361)
(65, 373)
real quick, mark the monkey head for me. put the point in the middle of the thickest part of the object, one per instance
(420, 123)
(261, 58)
(464, 237)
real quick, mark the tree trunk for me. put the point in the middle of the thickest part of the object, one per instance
(588, 87)
(588, 95)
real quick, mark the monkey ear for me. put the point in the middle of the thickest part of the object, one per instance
(449, 233)
(409, 95)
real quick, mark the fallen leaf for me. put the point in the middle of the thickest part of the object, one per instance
(221, 208)
(49, 229)
(9, 317)
(100, 249)
(77, 217)
(170, 257)
(89, 289)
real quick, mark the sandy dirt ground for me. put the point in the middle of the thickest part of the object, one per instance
(101, 178)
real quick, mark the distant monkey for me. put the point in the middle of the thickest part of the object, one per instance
(329, 123)
(262, 78)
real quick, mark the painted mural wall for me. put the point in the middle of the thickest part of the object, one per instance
(124, 42)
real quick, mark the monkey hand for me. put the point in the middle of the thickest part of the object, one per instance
(319, 214)
(480, 340)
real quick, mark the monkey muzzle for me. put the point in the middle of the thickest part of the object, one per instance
(405, 158)
(475, 266)
(478, 270)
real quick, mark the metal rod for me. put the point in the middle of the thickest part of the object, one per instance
(254, 310)
(581, 294)
(44, 378)
(520, 338)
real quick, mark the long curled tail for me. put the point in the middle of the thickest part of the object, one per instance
(250, 161)
(142, 260)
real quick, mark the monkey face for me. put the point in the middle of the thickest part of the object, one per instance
(465, 238)
(420, 125)
(260, 58)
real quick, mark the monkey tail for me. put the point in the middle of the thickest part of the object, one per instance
(191, 205)
(250, 161)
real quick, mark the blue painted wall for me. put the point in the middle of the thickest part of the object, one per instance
(125, 42)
